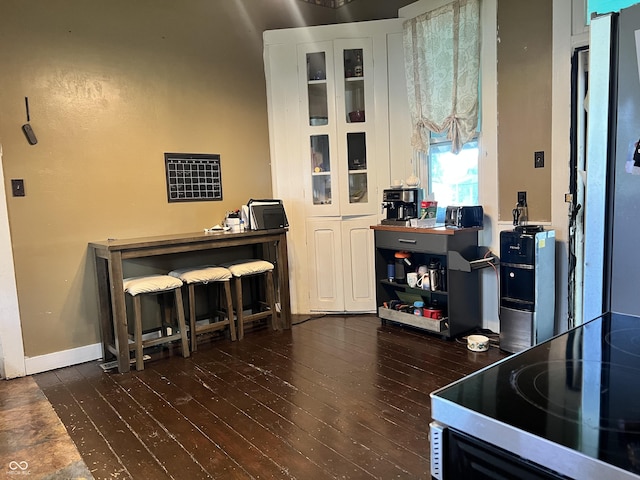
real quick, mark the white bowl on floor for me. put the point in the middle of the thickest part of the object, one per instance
(478, 343)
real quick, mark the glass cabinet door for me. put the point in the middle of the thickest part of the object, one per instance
(355, 127)
(336, 87)
(316, 73)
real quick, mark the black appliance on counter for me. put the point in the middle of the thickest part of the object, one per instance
(464, 217)
(527, 286)
(401, 204)
(567, 408)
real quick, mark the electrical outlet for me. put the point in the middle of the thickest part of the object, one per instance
(538, 159)
(17, 187)
(522, 199)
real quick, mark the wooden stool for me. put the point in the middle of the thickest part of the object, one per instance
(204, 275)
(155, 285)
(243, 269)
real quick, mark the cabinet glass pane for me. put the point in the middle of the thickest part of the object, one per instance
(358, 192)
(356, 151)
(354, 85)
(317, 88)
(320, 169)
(357, 165)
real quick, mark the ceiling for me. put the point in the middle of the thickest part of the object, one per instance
(329, 3)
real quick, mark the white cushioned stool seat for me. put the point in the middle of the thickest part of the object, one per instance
(156, 285)
(204, 274)
(150, 284)
(251, 268)
(207, 275)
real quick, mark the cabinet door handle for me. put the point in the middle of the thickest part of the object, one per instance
(403, 240)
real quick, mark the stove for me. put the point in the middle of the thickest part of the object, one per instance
(566, 408)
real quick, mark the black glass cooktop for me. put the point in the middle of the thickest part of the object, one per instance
(580, 390)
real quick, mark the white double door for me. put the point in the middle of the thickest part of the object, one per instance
(341, 262)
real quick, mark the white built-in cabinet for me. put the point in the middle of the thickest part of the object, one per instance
(341, 274)
(328, 102)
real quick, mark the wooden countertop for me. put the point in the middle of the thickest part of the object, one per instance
(441, 230)
(114, 244)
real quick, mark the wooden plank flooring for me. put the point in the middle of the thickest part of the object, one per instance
(334, 397)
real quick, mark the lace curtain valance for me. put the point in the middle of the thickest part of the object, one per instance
(442, 60)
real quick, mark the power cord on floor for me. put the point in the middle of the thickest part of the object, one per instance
(313, 317)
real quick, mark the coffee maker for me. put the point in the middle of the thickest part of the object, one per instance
(402, 204)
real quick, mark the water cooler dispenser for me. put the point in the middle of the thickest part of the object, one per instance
(527, 287)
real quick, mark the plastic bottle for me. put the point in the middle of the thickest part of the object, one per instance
(417, 308)
(357, 71)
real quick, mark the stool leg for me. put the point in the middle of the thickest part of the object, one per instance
(165, 313)
(271, 300)
(239, 307)
(137, 318)
(181, 323)
(191, 298)
(232, 325)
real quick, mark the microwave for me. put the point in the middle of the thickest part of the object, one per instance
(464, 217)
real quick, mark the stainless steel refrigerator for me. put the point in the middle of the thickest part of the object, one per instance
(612, 207)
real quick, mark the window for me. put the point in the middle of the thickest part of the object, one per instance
(453, 179)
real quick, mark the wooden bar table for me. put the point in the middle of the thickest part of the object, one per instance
(110, 254)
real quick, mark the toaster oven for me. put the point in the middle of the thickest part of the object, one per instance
(464, 217)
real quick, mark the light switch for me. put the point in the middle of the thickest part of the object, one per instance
(17, 187)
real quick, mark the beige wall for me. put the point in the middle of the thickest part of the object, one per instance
(112, 86)
(524, 105)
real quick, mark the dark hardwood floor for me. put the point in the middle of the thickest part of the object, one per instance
(334, 397)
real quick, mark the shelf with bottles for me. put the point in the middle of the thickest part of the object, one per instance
(354, 85)
(425, 266)
(353, 64)
(401, 292)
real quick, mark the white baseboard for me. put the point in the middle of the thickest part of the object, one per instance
(65, 358)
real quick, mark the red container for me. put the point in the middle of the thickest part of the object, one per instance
(433, 313)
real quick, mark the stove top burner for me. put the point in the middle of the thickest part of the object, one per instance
(626, 340)
(539, 383)
(579, 390)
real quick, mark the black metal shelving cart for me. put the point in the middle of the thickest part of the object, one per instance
(457, 296)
